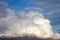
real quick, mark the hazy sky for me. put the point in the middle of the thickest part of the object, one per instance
(49, 8)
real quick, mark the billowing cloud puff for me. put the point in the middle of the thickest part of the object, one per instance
(27, 23)
(31, 23)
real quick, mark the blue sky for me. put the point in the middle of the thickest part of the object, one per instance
(51, 9)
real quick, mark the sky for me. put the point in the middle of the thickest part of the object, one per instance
(49, 8)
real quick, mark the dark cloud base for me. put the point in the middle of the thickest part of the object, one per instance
(25, 38)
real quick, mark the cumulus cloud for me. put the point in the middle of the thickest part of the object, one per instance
(30, 23)
(27, 23)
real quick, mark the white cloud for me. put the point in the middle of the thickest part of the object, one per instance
(28, 23)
